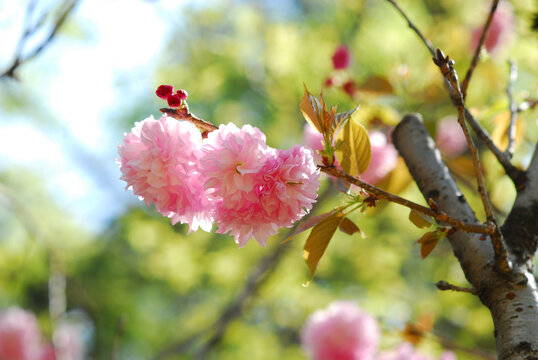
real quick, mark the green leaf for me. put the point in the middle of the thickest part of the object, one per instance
(318, 240)
(428, 242)
(347, 226)
(420, 220)
(353, 148)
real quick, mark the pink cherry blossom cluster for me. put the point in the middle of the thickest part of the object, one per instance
(231, 177)
(343, 331)
(21, 339)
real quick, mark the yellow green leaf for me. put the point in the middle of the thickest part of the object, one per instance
(428, 242)
(353, 148)
(318, 240)
(420, 220)
(348, 226)
(312, 109)
(308, 223)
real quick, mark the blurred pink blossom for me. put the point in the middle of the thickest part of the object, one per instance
(341, 57)
(314, 140)
(68, 341)
(406, 351)
(341, 332)
(449, 137)
(159, 163)
(502, 26)
(384, 158)
(20, 337)
(47, 352)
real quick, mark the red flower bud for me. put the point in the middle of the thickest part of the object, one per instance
(341, 57)
(174, 100)
(182, 94)
(164, 91)
(329, 82)
(349, 87)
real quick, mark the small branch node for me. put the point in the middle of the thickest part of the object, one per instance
(444, 286)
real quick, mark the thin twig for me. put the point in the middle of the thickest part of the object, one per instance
(528, 104)
(513, 109)
(444, 285)
(28, 31)
(478, 49)
(517, 176)
(184, 114)
(119, 330)
(446, 65)
(255, 281)
(382, 194)
(413, 27)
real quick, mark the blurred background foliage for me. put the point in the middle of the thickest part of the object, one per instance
(149, 287)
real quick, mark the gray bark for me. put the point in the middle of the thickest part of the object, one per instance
(512, 298)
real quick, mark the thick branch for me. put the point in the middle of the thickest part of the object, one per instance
(521, 225)
(512, 299)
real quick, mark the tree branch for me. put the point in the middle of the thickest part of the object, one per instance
(514, 173)
(478, 49)
(446, 65)
(513, 110)
(382, 194)
(184, 114)
(30, 30)
(444, 285)
(413, 27)
(521, 225)
(511, 298)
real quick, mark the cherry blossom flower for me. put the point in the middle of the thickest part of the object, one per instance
(288, 185)
(341, 332)
(449, 137)
(341, 57)
(232, 158)
(384, 158)
(159, 163)
(20, 337)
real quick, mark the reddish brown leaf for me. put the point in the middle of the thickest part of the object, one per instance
(428, 241)
(347, 226)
